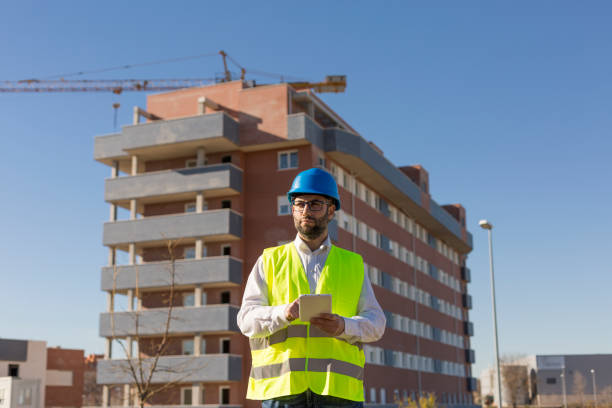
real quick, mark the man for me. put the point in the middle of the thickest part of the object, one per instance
(316, 363)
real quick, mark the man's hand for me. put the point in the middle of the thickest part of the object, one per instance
(292, 311)
(330, 323)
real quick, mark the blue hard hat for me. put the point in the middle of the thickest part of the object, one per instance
(315, 181)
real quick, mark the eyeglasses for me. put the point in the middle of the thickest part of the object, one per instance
(313, 205)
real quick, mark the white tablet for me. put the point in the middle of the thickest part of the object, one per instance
(312, 305)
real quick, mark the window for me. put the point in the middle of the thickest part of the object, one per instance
(187, 347)
(321, 162)
(188, 299)
(372, 394)
(189, 253)
(551, 380)
(13, 370)
(383, 396)
(225, 297)
(224, 395)
(190, 207)
(283, 205)
(226, 249)
(226, 204)
(226, 159)
(225, 346)
(186, 396)
(191, 163)
(288, 160)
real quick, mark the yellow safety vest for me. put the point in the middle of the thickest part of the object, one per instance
(301, 357)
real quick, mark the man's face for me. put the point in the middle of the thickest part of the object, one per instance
(312, 223)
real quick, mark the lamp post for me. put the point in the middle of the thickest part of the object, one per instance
(563, 385)
(594, 387)
(484, 224)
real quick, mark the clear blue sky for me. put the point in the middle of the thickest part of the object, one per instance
(506, 104)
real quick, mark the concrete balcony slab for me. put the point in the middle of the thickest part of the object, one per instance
(213, 225)
(214, 180)
(183, 320)
(188, 369)
(215, 132)
(210, 271)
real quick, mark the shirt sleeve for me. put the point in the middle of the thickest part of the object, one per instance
(369, 324)
(256, 318)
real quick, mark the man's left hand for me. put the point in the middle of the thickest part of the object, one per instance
(330, 323)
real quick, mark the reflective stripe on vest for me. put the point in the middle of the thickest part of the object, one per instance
(280, 336)
(302, 356)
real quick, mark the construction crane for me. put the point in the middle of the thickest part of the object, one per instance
(332, 83)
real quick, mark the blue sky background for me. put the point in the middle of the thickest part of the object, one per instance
(506, 104)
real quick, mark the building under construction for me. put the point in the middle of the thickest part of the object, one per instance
(203, 184)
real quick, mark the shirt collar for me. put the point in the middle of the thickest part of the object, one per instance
(301, 246)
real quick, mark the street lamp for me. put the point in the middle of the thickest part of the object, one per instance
(563, 385)
(594, 387)
(484, 224)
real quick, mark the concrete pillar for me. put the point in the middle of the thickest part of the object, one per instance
(108, 350)
(199, 202)
(311, 110)
(201, 105)
(130, 346)
(110, 302)
(113, 213)
(132, 253)
(197, 301)
(201, 157)
(112, 256)
(196, 393)
(133, 210)
(126, 395)
(199, 245)
(138, 303)
(136, 115)
(115, 169)
(105, 396)
(197, 344)
(134, 165)
(130, 296)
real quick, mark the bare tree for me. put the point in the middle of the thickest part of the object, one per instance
(514, 378)
(579, 387)
(142, 369)
(605, 395)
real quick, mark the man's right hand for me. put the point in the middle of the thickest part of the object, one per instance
(292, 311)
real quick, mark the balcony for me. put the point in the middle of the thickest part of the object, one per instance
(466, 301)
(213, 225)
(215, 180)
(215, 132)
(208, 272)
(468, 328)
(470, 356)
(187, 369)
(183, 320)
(466, 274)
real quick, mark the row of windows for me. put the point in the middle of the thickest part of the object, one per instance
(403, 288)
(375, 238)
(189, 350)
(189, 298)
(369, 197)
(416, 328)
(393, 358)
(450, 398)
(187, 395)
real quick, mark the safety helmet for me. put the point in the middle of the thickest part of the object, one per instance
(315, 181)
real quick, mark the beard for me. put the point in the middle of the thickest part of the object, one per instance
(314, 230)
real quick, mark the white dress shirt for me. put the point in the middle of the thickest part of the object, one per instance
(257, 318)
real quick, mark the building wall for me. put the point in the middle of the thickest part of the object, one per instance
(262, 113)
(65, 369)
